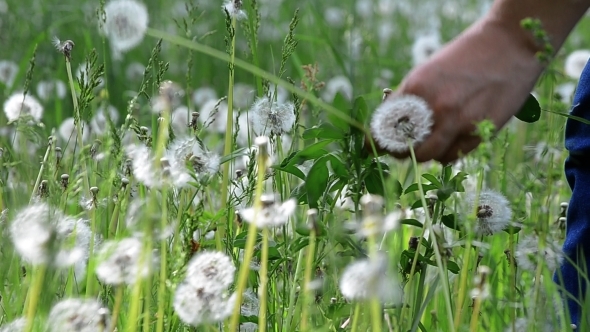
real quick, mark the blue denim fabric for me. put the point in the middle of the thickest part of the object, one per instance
(577, 170)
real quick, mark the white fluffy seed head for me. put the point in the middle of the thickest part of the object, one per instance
(31, 232)
(424, 47)
(8, 71)
(270, 215)
(212, 269)
(271, 118)
(575, 63)
(74, 314)
(99, 123)
(49, 89)
(202, 95)
(530, 253)
(337, 84)
(366, 279)
(492, 210)
(399, 120)
(17, 325)
(172, 172)
(124, 262)
(69, 134)
(194, 156)
(197, 305)
(126, 23)
(234, 8)
(18, 105)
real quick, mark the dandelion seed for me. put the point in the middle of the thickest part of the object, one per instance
(337, 84)
(481, 289)
(529, 253)
(124, 262)
(75, 247)
(424, 47)
(492, 211)
(399, 120)
(8, 72)
(197, 305)
(211, 270)
(250, 303)
(18, 105)
(126, 23)
(272, 214)
(575, 63)
(366, 279)
(171, 171)
(248, 327)
(17, 325)
(234, 8)
(268, 117)
(49, 89)
(78, 315)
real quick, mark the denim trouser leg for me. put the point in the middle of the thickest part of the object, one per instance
(577, 170)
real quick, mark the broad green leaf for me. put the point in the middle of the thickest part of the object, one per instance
(323, 131)
(453, 267)
(313, 151)
(450, 221)
(433, 180)
(414, 187)
(411, 222)
(343, 105)
(291, 169)
(316, 182)
(531, 110)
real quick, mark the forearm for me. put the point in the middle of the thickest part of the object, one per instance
(558, 18)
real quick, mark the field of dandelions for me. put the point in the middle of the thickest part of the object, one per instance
(200, 165)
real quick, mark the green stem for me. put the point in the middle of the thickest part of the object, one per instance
(437, 254)
(293, 290)
(163, 270)
(38, 181)
(355, 317)
(228, 145)
(117, 306)
(33, 296)
(309, 267)
(263, 282)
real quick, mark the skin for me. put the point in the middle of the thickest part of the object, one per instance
(486, 72)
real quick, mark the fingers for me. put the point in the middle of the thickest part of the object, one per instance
(462, 145)
(438, 143)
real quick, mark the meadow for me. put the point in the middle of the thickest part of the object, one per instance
(201, 165)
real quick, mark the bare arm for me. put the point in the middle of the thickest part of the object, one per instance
(486, 72)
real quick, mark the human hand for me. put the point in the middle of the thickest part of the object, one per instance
(486, 73)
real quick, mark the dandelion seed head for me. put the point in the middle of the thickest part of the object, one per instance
(18, 105)
(337, 84)
(75, 235)
(83, 315)
(424, 47)
(197, 305)
(272, 214)
(124, 262)
(202, 95)
(250, 303)
(135, 71)
(214, 115)
(493, 212)
(31, 231)
(171, 173)
(234, 8)
(17, 325)
(399, 120)
(369, 278)
(126, 23)
(194, 155)
(99, 123)
(270, 118)
(8, 71)
(69, 134)
(211, 269)
(49, 89)
(575, 63)
(530, 253)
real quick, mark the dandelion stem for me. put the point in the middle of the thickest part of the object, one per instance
(33, 296)
(437, 254)
(309, 266)
(38, 181)
(117, 307)
(163, 269)
(263, 282)
(293, 290)
(228, 145)
(355, 317)
(475, 314)
(250, 242)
